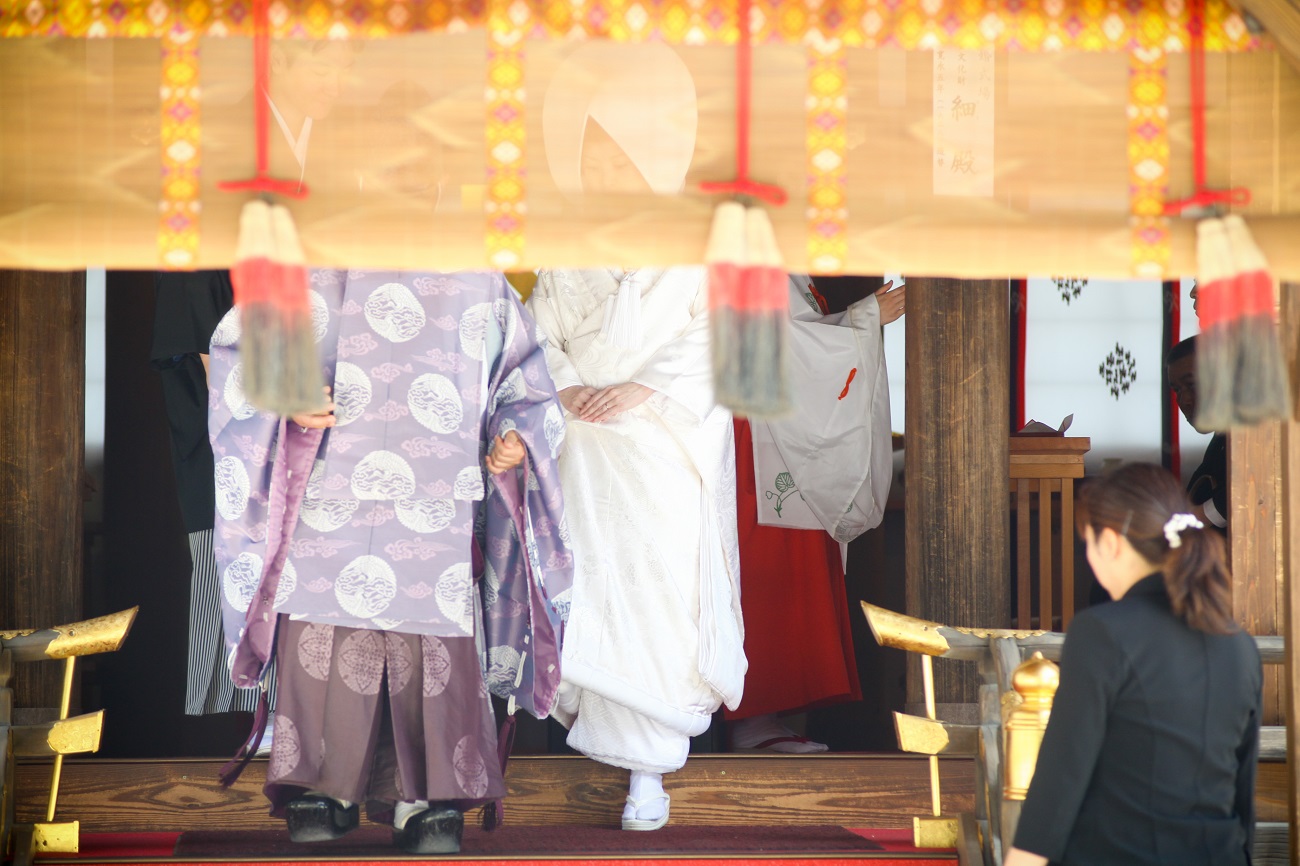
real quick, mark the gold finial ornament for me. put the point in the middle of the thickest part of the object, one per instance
(1035, 680)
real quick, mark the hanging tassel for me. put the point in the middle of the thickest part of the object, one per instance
(1216, 347)
(749, 310)
(1260, 390)
(281, 370)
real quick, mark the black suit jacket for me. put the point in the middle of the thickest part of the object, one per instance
(188, 305)
(1209, 483)
(1150, 754)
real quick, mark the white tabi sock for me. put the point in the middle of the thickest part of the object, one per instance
(767, 733)
(402, 812)
(646, 798)
(346, 804)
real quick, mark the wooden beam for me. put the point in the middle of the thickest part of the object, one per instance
(1281, 18)
(42, 455)
(957, 465)
(1290, 529)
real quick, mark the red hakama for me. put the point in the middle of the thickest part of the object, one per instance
(792, 594)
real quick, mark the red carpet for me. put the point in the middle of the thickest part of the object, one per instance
(672, 846)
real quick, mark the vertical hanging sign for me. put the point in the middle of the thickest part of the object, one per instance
(963, 122)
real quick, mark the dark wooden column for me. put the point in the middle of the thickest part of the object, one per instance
(1290, 532)
(1256, 544)
(42, 445)
(957, 429)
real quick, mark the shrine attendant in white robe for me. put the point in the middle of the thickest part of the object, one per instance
(654, 643)
(809, 484)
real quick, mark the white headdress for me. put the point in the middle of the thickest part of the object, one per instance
(641, 93)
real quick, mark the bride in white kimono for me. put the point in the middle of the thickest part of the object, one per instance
(654, 642)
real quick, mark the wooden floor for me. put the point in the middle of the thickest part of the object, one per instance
(851, 790)
(877, 791)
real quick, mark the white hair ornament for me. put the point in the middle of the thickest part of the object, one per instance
(1175, 525)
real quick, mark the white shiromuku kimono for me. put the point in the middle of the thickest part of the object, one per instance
(655, 637)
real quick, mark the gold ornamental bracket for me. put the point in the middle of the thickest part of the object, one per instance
(913, 634)
(63, 736)
(921, 736)
(103, 634)
(75, 736)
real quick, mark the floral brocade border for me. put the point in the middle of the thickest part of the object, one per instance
(1027, 25)
(505, 204)
(1147, 29)
(827, 150)
(1148, 160)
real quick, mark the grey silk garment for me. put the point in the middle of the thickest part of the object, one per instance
(377, 523)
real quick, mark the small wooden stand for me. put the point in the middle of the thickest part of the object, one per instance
(1042, 466)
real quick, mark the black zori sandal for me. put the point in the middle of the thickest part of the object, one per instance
(317, 818)
(436, 830)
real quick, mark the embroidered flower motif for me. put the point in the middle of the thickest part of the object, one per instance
(471, 769)
(400, 663)
(316, 651)
(437, 665)
(287, 749)
(361, 661)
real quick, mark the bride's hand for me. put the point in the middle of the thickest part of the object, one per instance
(573, 399)
(610, 402)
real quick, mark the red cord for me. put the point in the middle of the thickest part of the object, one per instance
(1202, 197)
(262, 181)
(743, 184)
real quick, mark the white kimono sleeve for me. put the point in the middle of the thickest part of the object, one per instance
(835, 449)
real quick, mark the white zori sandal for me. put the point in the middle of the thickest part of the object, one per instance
(635, 823)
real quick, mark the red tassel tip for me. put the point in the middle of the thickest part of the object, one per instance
(1215, 270)
(749, 312)
(251, 275)
(768, 291)
(281, 371)
(1255, 283)
(726, 256)
(291, 264)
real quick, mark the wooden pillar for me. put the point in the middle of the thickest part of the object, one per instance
(1290, 532)
(957, 464)
(42, 445)
(1256, 542)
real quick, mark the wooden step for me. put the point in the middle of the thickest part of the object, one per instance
(850, 790)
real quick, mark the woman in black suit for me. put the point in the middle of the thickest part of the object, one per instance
(1149, 757)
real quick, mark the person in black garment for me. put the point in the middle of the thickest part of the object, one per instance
(1150, 753)
(1208, 486)
(187, 308)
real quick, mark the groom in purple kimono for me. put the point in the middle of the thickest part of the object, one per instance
(402, 551)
